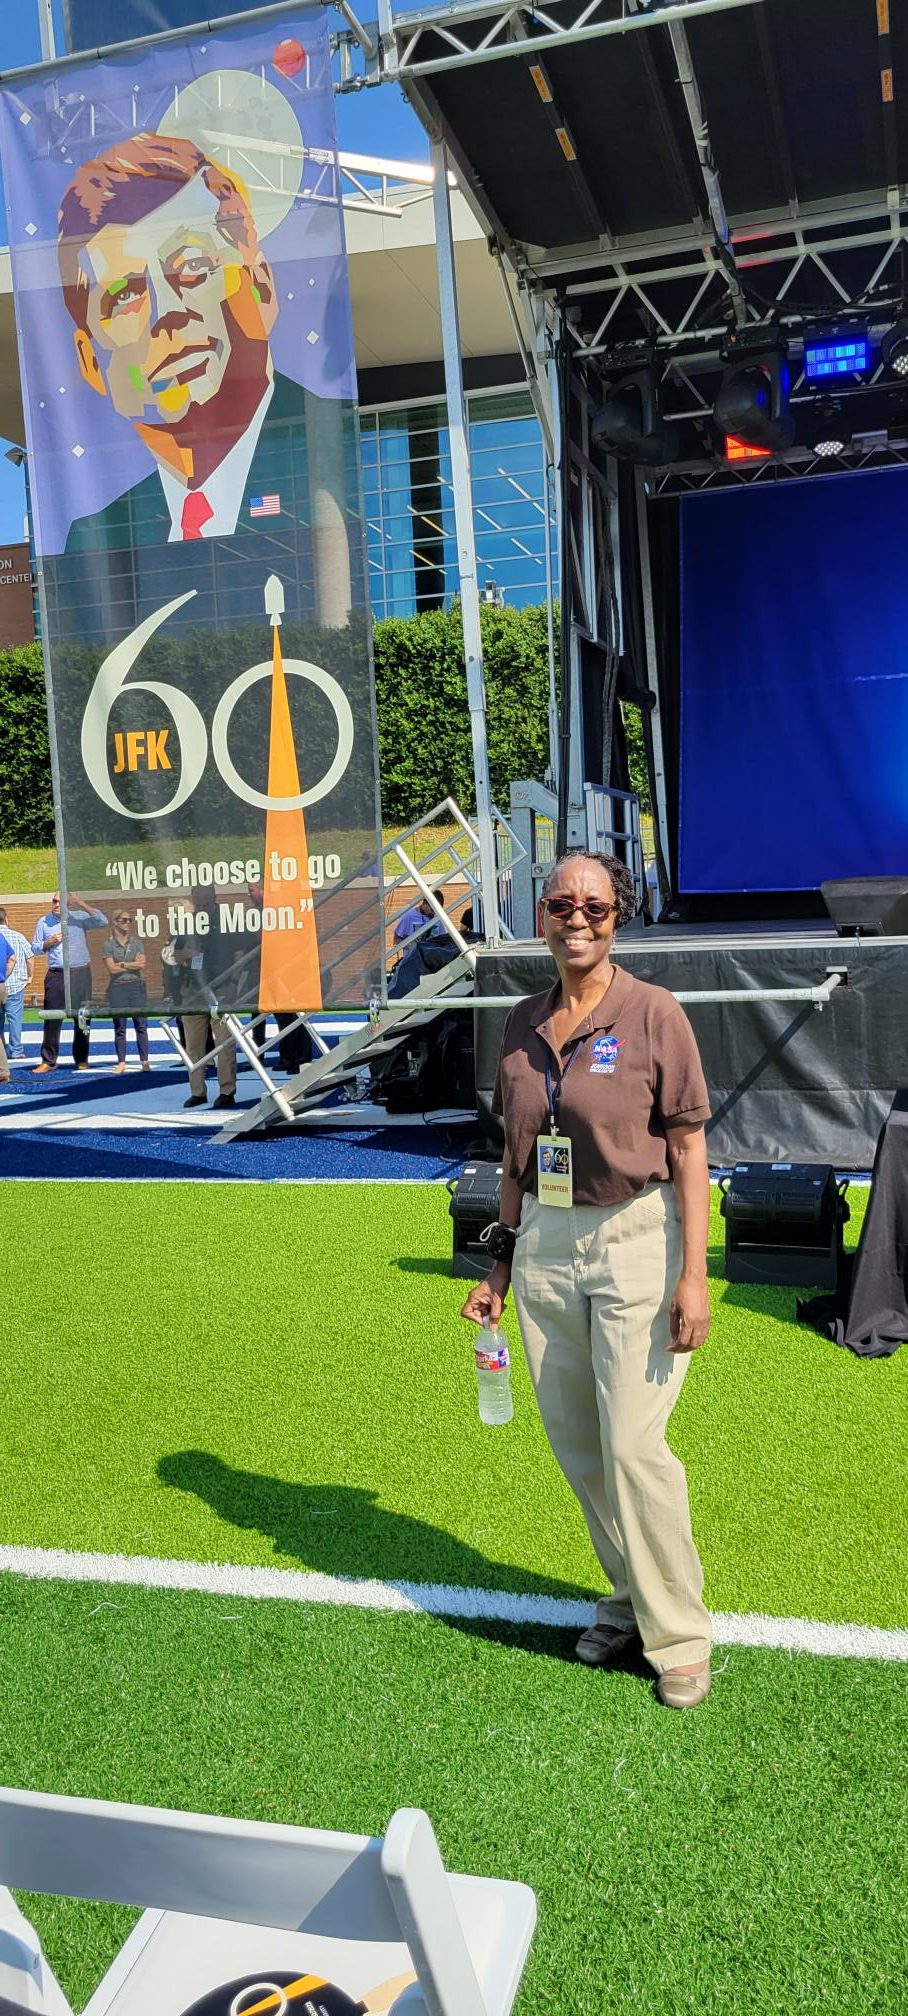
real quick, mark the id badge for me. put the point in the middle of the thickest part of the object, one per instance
(554, 1172)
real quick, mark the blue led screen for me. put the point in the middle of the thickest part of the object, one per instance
(794, 684)
(836, 356)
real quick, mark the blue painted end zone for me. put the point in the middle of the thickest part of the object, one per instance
(398, 1155)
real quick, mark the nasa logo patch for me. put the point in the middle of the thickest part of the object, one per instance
(606, 1051)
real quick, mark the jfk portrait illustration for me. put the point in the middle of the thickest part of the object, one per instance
(173, 303)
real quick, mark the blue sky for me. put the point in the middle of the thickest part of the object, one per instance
(369, 122)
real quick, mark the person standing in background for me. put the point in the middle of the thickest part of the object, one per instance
(48, 939)
(22, 973)
(7, 967)
(417, 917)
(124, 958)
(206, 963)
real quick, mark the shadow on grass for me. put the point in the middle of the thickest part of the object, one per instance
(341, 1530)
(412, 1263)
(547, 1640)
(715, 1261)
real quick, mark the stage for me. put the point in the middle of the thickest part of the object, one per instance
(788, 1080)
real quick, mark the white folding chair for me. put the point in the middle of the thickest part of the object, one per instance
(226, 1900)
(26, 1982)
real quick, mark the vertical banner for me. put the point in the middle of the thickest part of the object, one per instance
(183, 314)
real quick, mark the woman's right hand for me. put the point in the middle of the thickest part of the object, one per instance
(486, 1301)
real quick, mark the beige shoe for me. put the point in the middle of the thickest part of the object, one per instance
(41, 1068)
(683, 1690)
(118, 1070)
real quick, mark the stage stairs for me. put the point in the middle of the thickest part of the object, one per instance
(455, 853)
(340, 1067)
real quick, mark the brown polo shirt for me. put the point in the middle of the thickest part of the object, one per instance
(628, 1073)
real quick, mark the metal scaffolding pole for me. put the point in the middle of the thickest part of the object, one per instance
(466, 543)
(700, 130)
(571, 825)
(660, 808)
(46, 34)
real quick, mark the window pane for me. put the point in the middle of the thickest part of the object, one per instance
(410, 503)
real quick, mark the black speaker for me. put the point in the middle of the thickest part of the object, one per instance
(783, 1224)
(868, 906)
(475, 1202)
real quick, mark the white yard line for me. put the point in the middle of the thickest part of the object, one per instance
(17, 1115)
(432, 1599)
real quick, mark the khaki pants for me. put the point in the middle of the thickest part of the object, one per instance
(593, 1287)
(195, 1030)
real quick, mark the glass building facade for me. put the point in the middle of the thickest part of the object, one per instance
(409, 503)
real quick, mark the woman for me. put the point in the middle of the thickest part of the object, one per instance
(124, 959)
(604, 1242)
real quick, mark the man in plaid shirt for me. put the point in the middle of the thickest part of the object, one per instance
(19, 976)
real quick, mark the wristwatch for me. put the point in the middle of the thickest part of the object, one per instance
(500, 1241)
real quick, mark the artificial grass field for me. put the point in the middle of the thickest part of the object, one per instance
(278, 1375)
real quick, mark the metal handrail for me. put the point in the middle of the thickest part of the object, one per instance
(439, 909)
(239, 1035)
(819, 996)
(447, 807)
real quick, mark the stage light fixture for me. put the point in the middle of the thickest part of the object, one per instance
(827, 432)
(744, 451)
(630, 424)
(784, 1223)
(895, 348)
(838, 353)
(752, 403)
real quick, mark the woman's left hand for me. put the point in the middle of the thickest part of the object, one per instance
(689, 1314)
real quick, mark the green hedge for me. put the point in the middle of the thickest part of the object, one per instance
(423, 720)
(26, 797)
(636, 754)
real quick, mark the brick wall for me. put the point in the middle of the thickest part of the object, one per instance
(23, 913)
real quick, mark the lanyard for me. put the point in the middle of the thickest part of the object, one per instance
(553, 1086)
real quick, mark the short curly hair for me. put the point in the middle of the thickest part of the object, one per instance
(128, 182)
(621, 879)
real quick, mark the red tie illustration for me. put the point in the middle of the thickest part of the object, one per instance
(196, 513)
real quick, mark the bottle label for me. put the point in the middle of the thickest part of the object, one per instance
(492, 1361)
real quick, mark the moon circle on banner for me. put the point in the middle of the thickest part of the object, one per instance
(252, 129)
(219, 727)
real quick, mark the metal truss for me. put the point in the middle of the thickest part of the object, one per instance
(800, 232)
(385, 188)
(795, 464)
(678, 308)
(366, 182)
(456, 33)
(678, 311)
(678, 315)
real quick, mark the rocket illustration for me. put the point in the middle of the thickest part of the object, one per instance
(290, 976)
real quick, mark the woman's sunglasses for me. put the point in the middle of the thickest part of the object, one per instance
(561, 908)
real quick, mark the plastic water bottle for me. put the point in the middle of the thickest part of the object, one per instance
(493, 1377)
